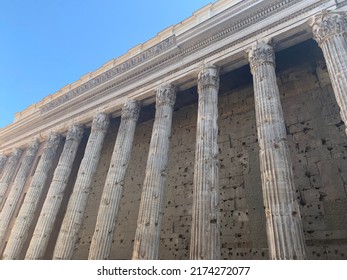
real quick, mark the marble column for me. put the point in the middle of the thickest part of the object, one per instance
(147, 237)
(51, 206)
(205, 237)
(330, 30)
(17, 189)
(19, 233)
(283, 220)
(3, 159)
(9, 170)
(74, 215)
(113, 189)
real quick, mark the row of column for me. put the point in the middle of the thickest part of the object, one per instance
(283, 219)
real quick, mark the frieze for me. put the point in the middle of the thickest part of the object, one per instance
(119, 69)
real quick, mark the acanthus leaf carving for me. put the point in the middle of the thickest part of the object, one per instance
(75, 132)
(261, 53)
(165, 95)
(53, 140)
(131, 110)
(100, 122)
(33, 147)
(208, 77)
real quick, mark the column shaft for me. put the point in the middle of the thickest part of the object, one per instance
(78, 201)
(9, 170)
(16, 189)
(283, 219)
(19, 233)
(147, 237)
(205, 239)
(51, 206)
(113, 189)
(329, 30)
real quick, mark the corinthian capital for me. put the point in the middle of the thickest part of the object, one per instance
(53, 140)
(33, 147)
(15, 155)
(100, 122)
(208, 77)
(328, 24)
(165, 95)
(261, 53)
(75, 132)
(3, 158)
(131, 110)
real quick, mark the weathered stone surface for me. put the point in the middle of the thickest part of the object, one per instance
(113, 190)
(50, 208)
(284, 225)
(3, 159)
(25, 216)
(205, 232)
(147, 237)
(77, 204)
(17, 188)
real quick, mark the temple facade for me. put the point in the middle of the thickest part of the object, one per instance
(223, 137)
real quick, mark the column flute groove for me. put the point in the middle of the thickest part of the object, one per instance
(8, 173)
(283, 219)
(51, 206)
(73, 218)
(205, 239)
(329, 30)
(147, 237)
(19, 233)
(114, 184)
(16, 189)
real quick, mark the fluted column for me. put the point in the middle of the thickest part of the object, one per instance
(78, 201)
(17, 188)
(3, 159)
(329, 30)
(283, 220)
(9, 170)
(51, 206)
(205, 239)
(147, 237)
(113, 190)
(19, 233)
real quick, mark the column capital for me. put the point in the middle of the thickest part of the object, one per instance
(100, 122)
(75, 132)
(3, 158)
(261, 53)
(328, 24)
(16, 154)
(131, 109)
(33, 147)
(165, 95)
(208, 77)
(53, 140)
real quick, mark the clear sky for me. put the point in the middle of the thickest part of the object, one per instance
(47, 44)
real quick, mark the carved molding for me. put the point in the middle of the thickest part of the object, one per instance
(33, 147)
(75, 132)
(260, 54)
(17, 152)
(208, 77)
(53, 140)
(328, 24)
(131, 110)
(100, 122)
(165, 95)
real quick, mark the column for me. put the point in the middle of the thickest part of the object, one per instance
(147, 237)
(51, 206)
(19, 233)
(3, 159)
(283, 220)
(329, 30)
(205, 243)
(9, 170)
(113, 189)
(78, 201)
(17, 188)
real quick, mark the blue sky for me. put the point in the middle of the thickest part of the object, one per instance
(47, 44)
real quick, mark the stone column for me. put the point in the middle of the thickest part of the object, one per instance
(51, 206)
(147, 237)
(113, 190)
(330, 30)
(3, 159)
(19, 233)
(205, 239)
(283, 220)
(9, 170)
(17, 188)
(78, 201)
